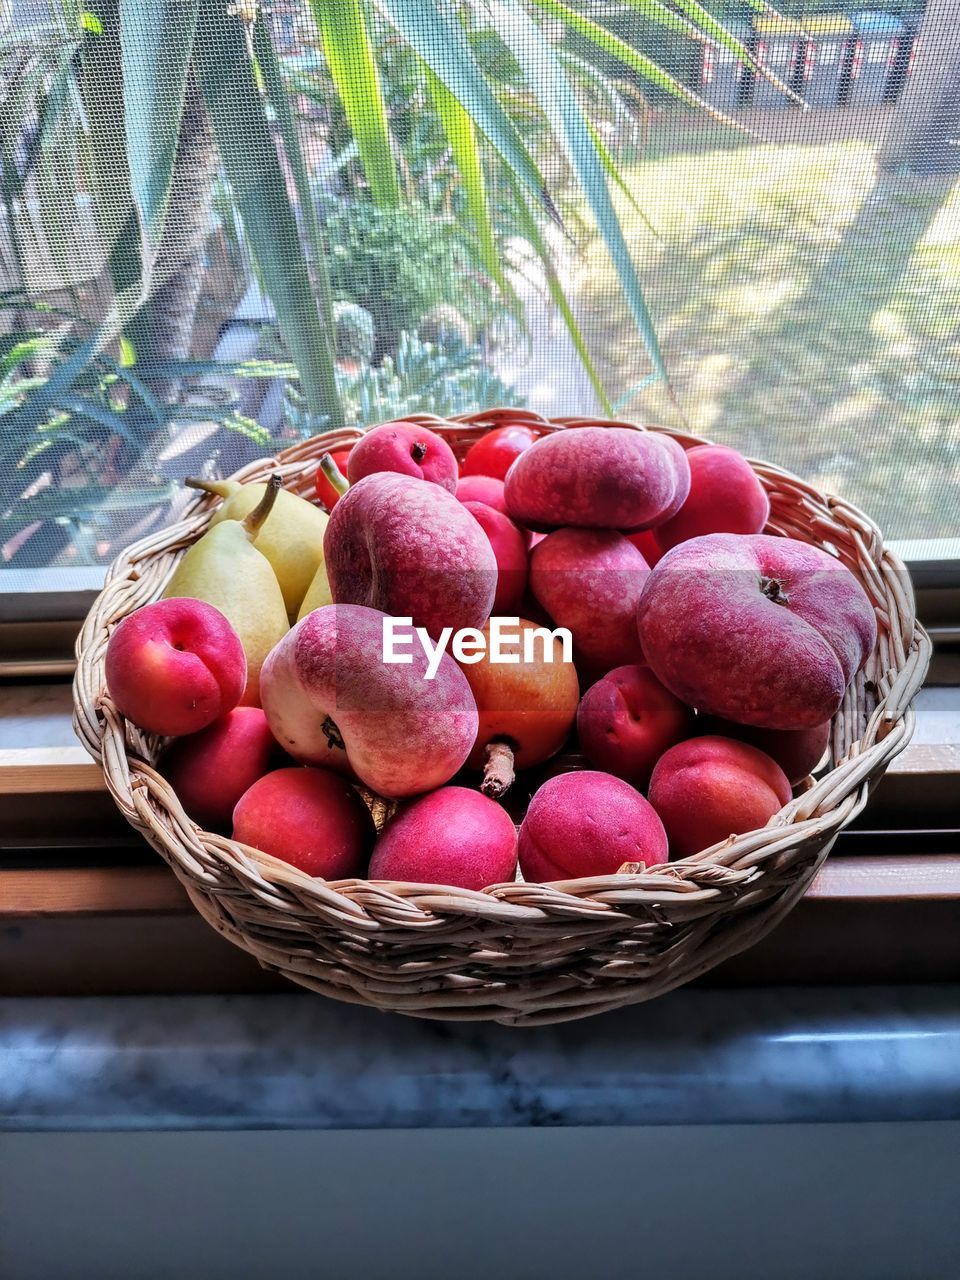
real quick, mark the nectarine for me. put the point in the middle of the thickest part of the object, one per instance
(175, 666)
(588, 824)
(453, 836)
(706, 789)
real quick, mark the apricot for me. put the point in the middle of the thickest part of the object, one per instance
(588, 824)
(598, 478)
(510, 548)
(725, 497)
(526, 708)
(706, 789)
(311, 818)
(796, 751)
(453, 836)
(590, 581)
(211, 770)
(405, 448)
(756, 629)
(627, 720)
(175, 666)
(411, 549)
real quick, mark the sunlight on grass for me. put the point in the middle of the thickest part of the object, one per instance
(809, 312)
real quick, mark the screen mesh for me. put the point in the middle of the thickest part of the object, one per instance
(225, 227)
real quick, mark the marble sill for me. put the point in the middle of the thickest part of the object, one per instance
(300, 1062)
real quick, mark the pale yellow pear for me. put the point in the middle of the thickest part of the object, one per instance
(318, 593)
(225, 569)
(291, 537)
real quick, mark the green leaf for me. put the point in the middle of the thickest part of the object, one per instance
(462, 137)
(632, 57)
(252, 167)
(707, 23)
(156, 39)
(88, 21)
(614, 174)
(128, 354)
(546, 80)
(440, 41)
(349, 54)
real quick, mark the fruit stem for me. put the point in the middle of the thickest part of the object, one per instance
(222, 488)
(498, 774)
(253, 520)
(419, 451)
(332, 734)
(334, 474)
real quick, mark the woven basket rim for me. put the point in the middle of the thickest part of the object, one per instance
(819, 808)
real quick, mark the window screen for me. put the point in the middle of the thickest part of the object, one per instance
(225, 227)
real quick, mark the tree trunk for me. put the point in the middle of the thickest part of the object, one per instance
(163, 328)
(923, 132)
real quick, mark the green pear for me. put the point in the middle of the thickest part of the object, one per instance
(318, 593)
(291, 537)
(225, 569)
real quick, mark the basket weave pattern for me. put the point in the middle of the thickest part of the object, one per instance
(514, 953)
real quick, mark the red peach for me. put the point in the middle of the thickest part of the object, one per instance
(482, 489)
(757, 629)
(211, 770)
(453, 836)
(588, 824)
(311, 818)
(590, 581)
(598, 478)
(796, 751)
(175, 666)
(725, 497)
(706, 789)
(405, 448)
(494, 452)
(510, 548)
(627, 720)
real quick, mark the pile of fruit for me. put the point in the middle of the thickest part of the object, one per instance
(711, 656)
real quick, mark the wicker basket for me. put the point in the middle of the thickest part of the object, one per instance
(515, 953)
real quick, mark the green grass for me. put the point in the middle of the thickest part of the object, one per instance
(809, 311)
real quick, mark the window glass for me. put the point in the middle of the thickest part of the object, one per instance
(225, 227)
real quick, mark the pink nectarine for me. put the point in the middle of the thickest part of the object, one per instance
(211, 770)
(627, 720)
(725, 497)
(453, 836)
(590, 581)
(175, 666)
(588, 824)
(311, 818)
(406, 448)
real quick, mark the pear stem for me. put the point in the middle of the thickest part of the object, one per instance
(498, 774)
(333, 473)
(219, 487)
(253, 521)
